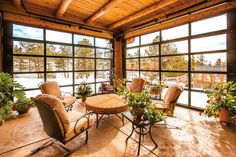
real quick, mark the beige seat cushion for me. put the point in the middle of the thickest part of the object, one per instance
(58, 107)
(137, 85)
(68, 100)
(50, 87)
(82, 124)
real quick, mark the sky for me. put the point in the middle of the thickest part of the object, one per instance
(217, 42)
(37, 33)
(197, 45)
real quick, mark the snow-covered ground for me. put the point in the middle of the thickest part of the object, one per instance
(198, 99)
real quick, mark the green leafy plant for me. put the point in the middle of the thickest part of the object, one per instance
(222, 95)
(9, 89)
(156, 88)
(23, 105)
(160, 84)
(84, 89)
(140, 105)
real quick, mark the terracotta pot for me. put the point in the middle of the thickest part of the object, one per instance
(84, 98)
(156, 90)
(224, 115)
(1, 122)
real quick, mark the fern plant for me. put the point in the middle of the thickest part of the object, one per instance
(84, 89)
(9, 89)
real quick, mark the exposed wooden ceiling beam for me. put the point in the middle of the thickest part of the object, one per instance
(63, 7)
(171, 14)
(142, 13)
(157, 16)
(16, 3)
(103, 10)
(219, 9)
(29, 20)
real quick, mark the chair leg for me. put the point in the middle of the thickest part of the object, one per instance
(44, 145)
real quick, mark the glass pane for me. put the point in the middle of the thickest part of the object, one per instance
(67, 90)
(149, 51)
(102, 42)
(27, 64)
(103, 53)
(149, 63)
(175, 78)
(59, 64)
(84, 64)
(29, 80)
(132, 53)
(59, 50)
(177, 63)
(84, 52)
(150, 38)
(209, 62)
(198, 99)
(28, 48)
(83, 40)
(205, 81)
(215, 23)
(27, 32)
(217, 42)
(103, 64)
(84, 76)
(130, 75)
(93, 88)
(102, 76)
(174, 47)
(64, 78)
(150, 76)
(58, 36)
(183, 98)
(32, 93)
(176, 32)
(132, 42)
(132, 64)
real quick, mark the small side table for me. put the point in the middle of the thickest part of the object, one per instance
(140, 127)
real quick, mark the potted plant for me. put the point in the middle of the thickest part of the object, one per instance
(222, 102)
(156, 88)
(140, 105)
(9, 89)
(84, 90)
(23, 105)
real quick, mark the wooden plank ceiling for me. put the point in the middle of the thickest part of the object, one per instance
(110, 15)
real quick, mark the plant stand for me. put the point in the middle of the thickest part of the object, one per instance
(141, 128)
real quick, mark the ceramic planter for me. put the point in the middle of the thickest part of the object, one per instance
(84, 98)
(137, 113)
(224, 115)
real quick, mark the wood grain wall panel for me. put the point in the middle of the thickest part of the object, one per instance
(1, 53)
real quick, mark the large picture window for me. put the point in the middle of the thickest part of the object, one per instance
(192, 55)
(43, 55)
